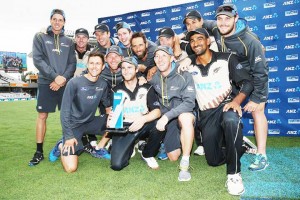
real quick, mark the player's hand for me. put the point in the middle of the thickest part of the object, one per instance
(151, 72)
(250, 106)
(109, 117)
(54, 86)
(184, 65)
(141, 68)
(137, 124)
(234, 106)
(60, 80)
(142, 80)
(69, 146)
(161, 123)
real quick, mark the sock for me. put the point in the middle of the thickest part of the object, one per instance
(186, 158)
(39, 147)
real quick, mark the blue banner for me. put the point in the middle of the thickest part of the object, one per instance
(277, 24)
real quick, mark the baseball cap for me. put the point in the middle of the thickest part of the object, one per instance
(193, 14)
(201, 31)
(227, 9)
(122, 25)
(58, 11)
(101, 28)
(82, 31)
(114, 49)
(130, 60)
(166, 32)
(166, 49)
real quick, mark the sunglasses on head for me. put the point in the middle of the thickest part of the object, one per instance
(226, 9)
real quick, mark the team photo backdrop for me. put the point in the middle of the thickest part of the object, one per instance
(277, 24)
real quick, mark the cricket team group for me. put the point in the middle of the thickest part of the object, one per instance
(193, 86)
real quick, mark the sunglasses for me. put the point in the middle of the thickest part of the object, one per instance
(226, 9)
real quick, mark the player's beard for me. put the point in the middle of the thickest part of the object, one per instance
(228, 31)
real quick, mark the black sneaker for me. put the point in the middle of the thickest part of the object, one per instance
(88, 148)
(37, 158)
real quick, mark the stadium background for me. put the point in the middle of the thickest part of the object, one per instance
(275, 22)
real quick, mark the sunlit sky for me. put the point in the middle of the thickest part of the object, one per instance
(20, 20)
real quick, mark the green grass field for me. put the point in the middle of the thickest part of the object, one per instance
(94, 178)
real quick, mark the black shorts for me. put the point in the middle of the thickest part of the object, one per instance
(172, 137)
(96, 127)
(47, 99)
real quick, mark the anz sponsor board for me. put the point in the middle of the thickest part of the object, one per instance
(178, 9)
(292, 78)
(274, 80)
(273, 69)
(293, 121)
(250, 8)
(272, 59)
(192, 7)
(176, 26)
(273, 89)
(273, 111)
(271, 48)
(292, 68)
(291, 57)
(291, 35)
(270, 26)
(161, 12)
(292, 46)
(291, 24)
(250, 132)
(271, 37)
(250, 18)
(274, 131)
(274, 121)
(290, 13)
(293, 132)
(145, 14)
(210, 3)
(292, 111)
(294, 89)
(294, 100)
(212, 13)
(278, 100)
(275, 15)
(290, 2)
(176, 18)
(270, 5)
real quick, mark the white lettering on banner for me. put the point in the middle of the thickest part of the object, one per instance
(293, 100)
(273, 69)
(273, 111)
(270, 5)
(291, 111)
(290, 13)
(270, 26)
(291, 57)
(292, 132)
(273, 131)
(210, 3)
(293, 121)
(291, 35)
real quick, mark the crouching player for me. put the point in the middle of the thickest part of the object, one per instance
(79, 105)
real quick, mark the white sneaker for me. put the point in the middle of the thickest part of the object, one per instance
(199, 151)
(151, 162)
(235, 184)
(108, 144)
(184, 174)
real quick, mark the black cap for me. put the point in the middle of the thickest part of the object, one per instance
(130, 60)
(114, 49)
(192, 15)
(166, 49)
(227, 9)
(58, 11)
(82, 31)
(101, 28)
(166, 32)
(201, 31)
(122, 25)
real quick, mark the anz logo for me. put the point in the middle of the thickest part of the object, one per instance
(146, 22)
(274, 121)
(229, 1)
(255, 28)
(192, 7)
(292, 46)
(292, 111)
(291, 2)
(275, 58)
(176, 18)
(296, 89)
(275, 15)
(293, 132)
(160, 12)
(292, 68)
(274, 80)
(254, 7)
(274, 100)
(105, 21)
(292, 24)
(118, 19)
(209, 13)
